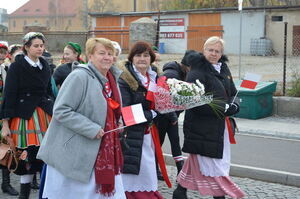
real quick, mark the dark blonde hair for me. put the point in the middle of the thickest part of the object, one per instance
(91, 44)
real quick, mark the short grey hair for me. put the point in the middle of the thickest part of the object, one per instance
(213, 40)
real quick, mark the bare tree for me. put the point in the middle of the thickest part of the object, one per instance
(103, 6)
(256, 3)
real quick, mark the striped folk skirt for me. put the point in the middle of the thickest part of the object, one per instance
(30, 132)
(27, 136)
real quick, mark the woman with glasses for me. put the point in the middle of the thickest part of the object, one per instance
(207, 132)
(83, 161)
(27, 106)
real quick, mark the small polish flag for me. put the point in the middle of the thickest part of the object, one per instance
(151, 90)
(250, 80)
(133, 114)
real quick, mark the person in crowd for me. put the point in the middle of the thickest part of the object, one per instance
(139, 176)
(168, 123)
(207, 134)
(48, 57)
(157, 56)
(5, 186)
(27, 106)
(14, 50)
(118, 51)
(82, 160)
(72, 52)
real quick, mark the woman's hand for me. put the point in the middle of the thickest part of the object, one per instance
(5, 129)
(100, 134)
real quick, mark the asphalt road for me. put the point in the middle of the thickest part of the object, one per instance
(262, 152)
(266, 152)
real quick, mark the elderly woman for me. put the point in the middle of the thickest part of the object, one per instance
(27, 106)
(139, 173)
(82, 160)
(72, 52)
(207, 134)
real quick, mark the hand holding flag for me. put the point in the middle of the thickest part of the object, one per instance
(250, 80)
(133, 114)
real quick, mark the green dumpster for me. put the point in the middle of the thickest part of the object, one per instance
(256, 103)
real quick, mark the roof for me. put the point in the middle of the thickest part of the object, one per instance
(40, 8)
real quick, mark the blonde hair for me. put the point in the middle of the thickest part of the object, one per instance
(92, 42)
(213, 40)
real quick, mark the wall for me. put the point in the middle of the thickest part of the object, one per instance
(275, 30)
(55, 41)
(252, 27)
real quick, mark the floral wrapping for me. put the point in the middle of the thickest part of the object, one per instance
(175, 95)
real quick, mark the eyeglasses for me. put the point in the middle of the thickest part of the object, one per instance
(210, 50)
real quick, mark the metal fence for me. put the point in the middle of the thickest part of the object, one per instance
(263, 59)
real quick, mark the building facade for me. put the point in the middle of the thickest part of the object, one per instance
(57, 15)
(188, 29)
(3, 19)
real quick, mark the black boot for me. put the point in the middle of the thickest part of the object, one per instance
(180, 193)
(179, 166)
(219, 197)
(34, 183)
(6, 187)
(158, 173)
(25, 191)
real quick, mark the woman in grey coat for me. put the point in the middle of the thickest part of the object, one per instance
(83, 161)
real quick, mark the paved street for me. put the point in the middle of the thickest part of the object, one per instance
(253, 188)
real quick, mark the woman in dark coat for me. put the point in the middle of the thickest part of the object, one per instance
(72, 52)
(207, 134)
(139, 173)
(27, 106)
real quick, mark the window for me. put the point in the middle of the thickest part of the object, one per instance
(277, 18)
(70, 22)
(25, 22)
(14, 23)
(37, 10)
(48, 23)
(25, 10)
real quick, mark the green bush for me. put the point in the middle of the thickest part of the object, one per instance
(294, 91)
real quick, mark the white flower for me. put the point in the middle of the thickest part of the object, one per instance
(182, 88)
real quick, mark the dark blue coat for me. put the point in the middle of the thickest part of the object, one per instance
(26, 88)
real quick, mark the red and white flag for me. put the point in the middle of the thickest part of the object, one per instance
(133, 114)
(250, 80)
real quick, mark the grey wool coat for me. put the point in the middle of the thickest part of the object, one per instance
(79, 113)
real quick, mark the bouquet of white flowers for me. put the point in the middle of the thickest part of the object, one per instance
(175, 95)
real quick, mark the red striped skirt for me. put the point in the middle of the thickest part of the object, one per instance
(30, 132)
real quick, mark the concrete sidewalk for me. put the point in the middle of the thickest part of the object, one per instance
(281, 127)
(274, 126)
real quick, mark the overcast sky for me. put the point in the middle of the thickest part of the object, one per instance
(12, 5)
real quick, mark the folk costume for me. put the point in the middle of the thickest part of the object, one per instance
(78, 165)
(207, 137)
(139, 171)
